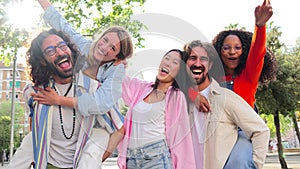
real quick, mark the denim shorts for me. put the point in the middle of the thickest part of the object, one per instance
(155, 156)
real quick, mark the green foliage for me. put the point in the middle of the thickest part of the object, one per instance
(10, 39)
(4, 132)
(5, 124)
(273, 38)
(283, 93)
(5, 110)
(234, 27)
(87, 16)
(285, 124)
(90, 17)
(123, 107)
(298, 116)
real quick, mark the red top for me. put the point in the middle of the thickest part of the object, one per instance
(246, 83)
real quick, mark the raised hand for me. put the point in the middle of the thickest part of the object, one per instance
(263, 13)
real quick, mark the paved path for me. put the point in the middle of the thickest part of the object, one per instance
(272, 162)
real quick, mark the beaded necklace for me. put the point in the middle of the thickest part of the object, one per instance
(61, 119)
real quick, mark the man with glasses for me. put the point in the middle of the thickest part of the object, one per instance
(56, 130)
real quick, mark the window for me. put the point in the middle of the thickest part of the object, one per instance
(18, 85)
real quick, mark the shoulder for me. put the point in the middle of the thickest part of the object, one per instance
(28, 89)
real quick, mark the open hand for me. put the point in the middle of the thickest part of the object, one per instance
(46, 96)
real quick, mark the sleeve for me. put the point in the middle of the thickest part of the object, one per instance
(58, 22)
(28, 99)
(103, 99)
(179, 132)
(256, 54)
(132, 88)
(252, 124)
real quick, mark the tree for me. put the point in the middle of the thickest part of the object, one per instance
(295, 51)
(234, 26)
(5, 109)
(11, 39)
(285, 123)
(4, 132)
(90, 17)
(280, 96)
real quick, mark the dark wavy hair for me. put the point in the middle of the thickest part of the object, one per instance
(183, 80)
(40, 73)
(270, 65)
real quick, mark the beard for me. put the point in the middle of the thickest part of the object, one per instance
(201, 80)
(61, 73)
(196, 72)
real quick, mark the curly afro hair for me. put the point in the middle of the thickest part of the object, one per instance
(269, 70)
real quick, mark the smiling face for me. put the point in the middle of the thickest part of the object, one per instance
(58, 55)
(107, 47)
(231, 53)
(198, 63)
(169, 67)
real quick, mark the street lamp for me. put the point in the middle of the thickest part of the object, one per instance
(18, 19)
(21, 133)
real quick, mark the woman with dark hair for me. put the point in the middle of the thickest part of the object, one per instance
(242, 55)
(244, 64)
(157, 131)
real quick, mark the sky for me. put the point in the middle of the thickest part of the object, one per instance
(175, 22)
(171, 23)
(211, 16)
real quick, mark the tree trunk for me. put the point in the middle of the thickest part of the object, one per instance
(296, 126)
(279, 144)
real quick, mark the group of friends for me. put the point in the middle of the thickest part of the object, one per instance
(198, 113)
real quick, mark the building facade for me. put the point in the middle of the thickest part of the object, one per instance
(6, 88)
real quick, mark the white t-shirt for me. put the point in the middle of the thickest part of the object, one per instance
(148, 123)
(199, 132)
(62, 150)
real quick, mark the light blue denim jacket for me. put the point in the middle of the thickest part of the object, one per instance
(109, 75)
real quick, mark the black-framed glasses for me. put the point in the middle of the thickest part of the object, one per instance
(227, 48)
(51, 50)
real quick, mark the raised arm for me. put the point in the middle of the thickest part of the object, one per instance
(58, 22)
(259, 39)
(263, 13)
(44, 4)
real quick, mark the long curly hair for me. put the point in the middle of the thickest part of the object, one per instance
(270, 65)
(39, 72)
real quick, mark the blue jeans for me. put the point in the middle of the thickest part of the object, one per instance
(153, 156)
(241, 154)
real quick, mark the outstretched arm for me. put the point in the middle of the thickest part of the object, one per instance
(58, 22)
(263, 13)
(44, 4)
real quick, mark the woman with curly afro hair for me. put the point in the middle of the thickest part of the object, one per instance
(246, 62)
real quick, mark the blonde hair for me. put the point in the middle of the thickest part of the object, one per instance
(126, 45)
